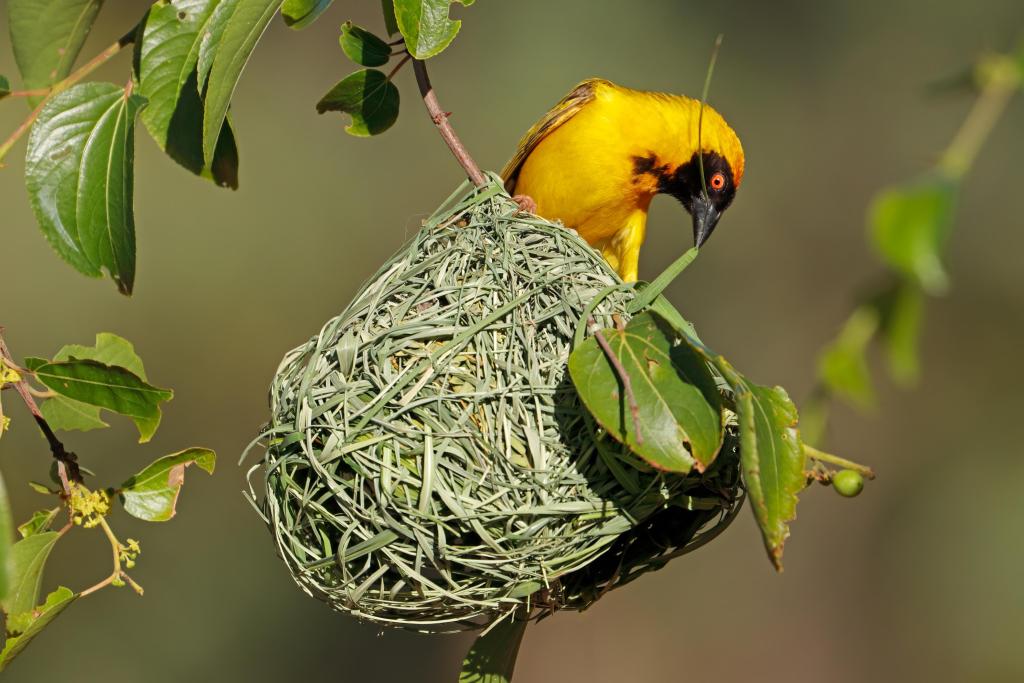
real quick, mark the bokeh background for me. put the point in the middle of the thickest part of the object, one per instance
(921, 578)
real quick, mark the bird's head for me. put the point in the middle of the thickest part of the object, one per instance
(719, 148)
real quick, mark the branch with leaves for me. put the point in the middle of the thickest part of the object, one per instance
(187, 58)
(75, 386)
(909, 227)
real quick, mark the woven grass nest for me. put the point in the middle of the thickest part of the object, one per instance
(428, 462)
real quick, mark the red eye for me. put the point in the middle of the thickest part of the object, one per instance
(718, 181)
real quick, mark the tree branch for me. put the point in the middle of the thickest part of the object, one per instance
(67, 462)
(440, 119)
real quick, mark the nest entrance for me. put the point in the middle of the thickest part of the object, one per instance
(429, 464)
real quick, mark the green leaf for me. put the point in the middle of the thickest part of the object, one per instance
(66, 414)
(492, 657)
(425, 25)
(166, 73)
(368, 97)
(28, 557)
(902, 313)
(47, 37)
(110, 349)
(41, 488)
(248, 21)
(5, 87)
(679, 407)
(298, 14)
(151, 494)
(40, 522)
(772, 460)
(110, 387)
(843, 364)
(210, 39)
(362, 47)
(6, 534)
(390, 22)
(909, 227)
(30, 623)
(32, 363)
(79, 174)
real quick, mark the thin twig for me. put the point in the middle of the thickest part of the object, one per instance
(70, 80)
(38, 92)
(440, 119)
(822, 456)
(398, 66)
(67, 462)
(620, 370)
(1003, 81)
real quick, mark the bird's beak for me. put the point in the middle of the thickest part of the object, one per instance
(705, 218)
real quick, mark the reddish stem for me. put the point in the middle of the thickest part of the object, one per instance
(440, 119)
(67, 462)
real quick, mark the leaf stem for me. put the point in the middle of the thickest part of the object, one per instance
(67, 462)
(38, 92)
(822, 456)
(67, 82)
(1001, 80)
(440, 119)
(405, 60)
(118, 573)
(620, 370)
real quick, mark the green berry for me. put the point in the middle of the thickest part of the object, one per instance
(848, 483)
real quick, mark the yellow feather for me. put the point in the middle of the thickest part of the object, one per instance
(578, 163)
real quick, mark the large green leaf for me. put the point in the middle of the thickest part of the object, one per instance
(425, 25)
(47, 37)
(210, 39)
(166, 73)
(492, 658)
(27, 625)
(362, 47)
(64, 413)
(107, 386)
(368, 97)
(772, 460)
(909, 228)
(153, 493)
(679, 408)
(299, 14)
(6, 536)
(28, 558)
(248, 21)
(79, 174)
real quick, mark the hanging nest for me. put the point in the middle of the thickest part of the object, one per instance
(429, 464)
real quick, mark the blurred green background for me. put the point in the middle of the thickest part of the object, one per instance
(921, 578)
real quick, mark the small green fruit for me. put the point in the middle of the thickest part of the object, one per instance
(848, 483)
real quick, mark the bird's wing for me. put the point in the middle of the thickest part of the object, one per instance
(568, 107)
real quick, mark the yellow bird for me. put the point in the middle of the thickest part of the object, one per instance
(597, 159)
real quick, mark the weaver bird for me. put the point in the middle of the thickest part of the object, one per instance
(597, 159)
